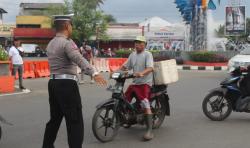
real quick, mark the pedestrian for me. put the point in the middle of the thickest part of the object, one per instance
(17, 62)
(88, 55)
(64, 96)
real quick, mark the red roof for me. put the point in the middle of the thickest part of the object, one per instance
(33, 33)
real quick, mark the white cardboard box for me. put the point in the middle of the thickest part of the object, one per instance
(165, 72)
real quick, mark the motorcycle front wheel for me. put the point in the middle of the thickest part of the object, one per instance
(105, 124)
(158, 107)
(216, 107)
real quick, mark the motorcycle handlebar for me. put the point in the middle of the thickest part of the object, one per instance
(129, 76)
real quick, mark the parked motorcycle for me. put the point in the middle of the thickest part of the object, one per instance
(117, 112)
(2, 120)
(221, 101)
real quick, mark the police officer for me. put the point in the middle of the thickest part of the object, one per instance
(64, 96)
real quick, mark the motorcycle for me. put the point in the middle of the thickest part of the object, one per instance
(117, 112)
(2, 120)
(221, 101)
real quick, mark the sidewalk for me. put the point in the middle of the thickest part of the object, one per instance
(16, 92)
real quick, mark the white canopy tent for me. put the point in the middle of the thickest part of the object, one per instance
(155, 22)
(164, 35)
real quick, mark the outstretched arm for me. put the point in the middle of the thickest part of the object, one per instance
(73, 53)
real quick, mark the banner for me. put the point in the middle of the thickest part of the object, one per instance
(166, 32)
(235, 21)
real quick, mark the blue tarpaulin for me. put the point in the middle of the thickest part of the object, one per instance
(186, 8)
(211, 5)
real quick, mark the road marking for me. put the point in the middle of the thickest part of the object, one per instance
(194, 67)
(26, 91)
(18, 93)
(209, 67)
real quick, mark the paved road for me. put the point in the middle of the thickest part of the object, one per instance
(186, 128)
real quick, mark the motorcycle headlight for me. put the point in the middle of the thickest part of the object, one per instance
(115, 75)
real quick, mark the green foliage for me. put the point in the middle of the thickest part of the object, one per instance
(243, 37)
(124, 53)
(88, 20)
(220, 31)
(206, 56)
(3, 55)
(110, 18)
(59, 10)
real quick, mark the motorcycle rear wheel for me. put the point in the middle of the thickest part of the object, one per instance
(215, 108)
(109, 123)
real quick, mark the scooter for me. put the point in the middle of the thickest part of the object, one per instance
(3, 121)
(221, 101)
(117, 112)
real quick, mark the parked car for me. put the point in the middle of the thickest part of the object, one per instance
(242, 59)
(29, 49)
(33, 50)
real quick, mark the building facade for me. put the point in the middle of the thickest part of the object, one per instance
(160, 34)
(36, 8)
(2, 11)
(5, 30)
(121, 35)
(6, 33)
(32, 24)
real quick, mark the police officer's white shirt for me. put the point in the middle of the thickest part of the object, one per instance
(15, 56)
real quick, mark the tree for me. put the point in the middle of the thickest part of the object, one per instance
(88, 20)
(247, 26)
(221, 29)
(110, 18)
(58, 10)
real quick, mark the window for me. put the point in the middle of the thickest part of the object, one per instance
(28, 26)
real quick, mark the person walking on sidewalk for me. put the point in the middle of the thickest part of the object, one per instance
(64, 96)
(17, 62)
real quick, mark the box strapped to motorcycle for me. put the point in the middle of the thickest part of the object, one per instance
(165, 72)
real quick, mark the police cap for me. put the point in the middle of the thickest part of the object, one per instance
(63, 17)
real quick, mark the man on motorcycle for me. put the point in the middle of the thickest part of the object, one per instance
(141, 62)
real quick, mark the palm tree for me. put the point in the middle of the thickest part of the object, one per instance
(98, 2)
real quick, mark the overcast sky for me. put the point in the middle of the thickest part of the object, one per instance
(129, 10)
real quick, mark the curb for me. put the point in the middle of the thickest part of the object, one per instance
(16, 93)
(203, 68)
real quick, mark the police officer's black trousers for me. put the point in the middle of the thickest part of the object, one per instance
(65, 101)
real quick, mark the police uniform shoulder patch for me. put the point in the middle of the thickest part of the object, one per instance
(74, 46)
